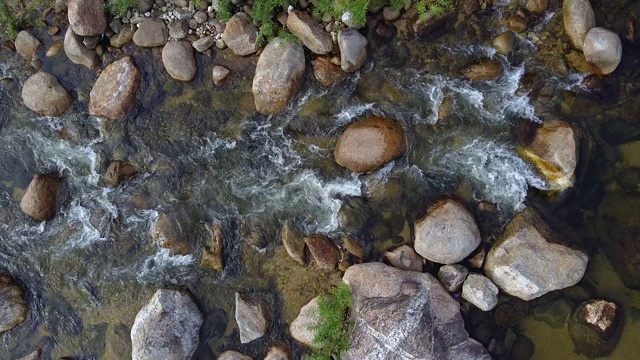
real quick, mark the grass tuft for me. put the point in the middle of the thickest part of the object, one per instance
(262, 14)
(438, 8)
(120, 7)
(289, 37)
(332, 330)
(224, 10)
(8, 22)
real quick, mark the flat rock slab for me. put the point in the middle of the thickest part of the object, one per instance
(114, 93)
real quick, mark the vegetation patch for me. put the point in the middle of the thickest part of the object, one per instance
(224, 10)
(8, 23)
(438, 8)
(120, 7)
(262, 14)
(19, 14)
(332, 329)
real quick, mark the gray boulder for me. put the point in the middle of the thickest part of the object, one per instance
(114, 93)
(602, 49)
(43, 94)
(311, 33)
(167, 327)
(578, 18)
(179, 61)
(251, 318)
(27, 45)
(13, 309)
(480, 291)
(353, 49)
(39, 201)
(240, 35)
(404, 258)
(301, 328)
(151, 32)
(452, 276)
(87, 17)
(77, 52)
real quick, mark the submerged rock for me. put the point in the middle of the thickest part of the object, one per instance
(178, 60)
(167, 327)
(119, 171)
(34, 355)
(13, 309)
(278, 353)
(485, 70)
(87, 17)
(27, 45)
(353, 49)
(404, 258)
(595, 328)
(240, 35)
(39, 202)
(602, 49)
(43, 94)
(301, 328)
(369, 144)
(219, 73)
(123, 37)
(554, 313)
(403, 314)
(530, 259)
(77, 52)
(578, 18)
(168, 234)
(480, 291)
(537, 7)
(151, 32)
(323, 252)
(114, 93)
(504, 42)
(452, 277)
(309, 32)
(293, 241)
(251, 318)
(352, 246)
(327, 73)
(213, 251)
(233, 355)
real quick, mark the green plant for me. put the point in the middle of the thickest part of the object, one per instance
(224, 10)
(289, 37)
(262, 14)
(196, 3)
(332, 329)
(437, 8)
(120, 7)
(7, 21)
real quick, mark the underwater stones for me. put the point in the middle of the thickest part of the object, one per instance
(480, 291)
(293, 241)
(43, 94)
(578, 19)
(167, 327)
(241, 35)
(504, 42)
(327, 73)
(352, 246)
(123, 37)
(537, 7)
(233, 355)
(39, 202)
(530, 259)
(27, 45)
(369, 144)
(595, 328)
(323, 252)
(251, 318)
(485, 70)
(309, 32)
(278, 76)
(77, 52)
(447, 233)
(119, 171)
(114, 93)
(301, 328)
(353, 49)
(214, 249)
(452, 277)
(168, 234)
(219, 73)
(151, 32)
(602, 49)
(87, 17)
(404, 258)
(402, 314)
(555, 313)
(13, 309)
(179, 61)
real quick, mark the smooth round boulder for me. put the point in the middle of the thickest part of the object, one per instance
(39, 202)
(537, 7)
(43, 94)
(369, 144)
(603, 50)
(151, 32)
(13, 309)
(179, 61)
(114, 93)
(578, 19)
(87, 17)
(27, 45)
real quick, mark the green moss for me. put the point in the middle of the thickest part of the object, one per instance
(224, 9)
(120, 7)
(262, 14)
(8, 23)
(289, 37)
(332, 329)
(437, 8)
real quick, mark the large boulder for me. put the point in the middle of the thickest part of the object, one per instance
(578, 18)
(251, 317)
(369, 144)
(530, 259)
(603, 50)
(27, 45)
(309, 32)
(39, 202)
(87, 17)
(114, 93)
(595, 328)
(353, 49)
(240, 35)
(178, 59)
(43, 94)
(302, 327)
(151, 32)
(77, 52)
(447, 234)
(167, 327)
(278, 75)
(13, 309)
(405, 314)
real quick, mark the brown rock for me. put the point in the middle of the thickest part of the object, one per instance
(119, 171)
(43, 94)
(13, 309)
(54, 49)
(87, 17)
(27, 45)
(517, 23)
(168, 234)
(324, 253)
(404, 258)
(123, 37)
(352, 246)
(241, 35)
(278, 353)
(219, 74)
(504, 42)
(151, 32)
(293, 241)
(485, 70)
(326, 72)
(309, 32)
(537, 7)
(212, 254)
(114, 93)
(39, 202)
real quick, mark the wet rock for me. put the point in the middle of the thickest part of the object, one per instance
(326, 72)
(43, 94)
(602, 49)
(278, 76)
(241, 35)
(34, 355)
(401, 314)
(309, 32)
(39, 201)
(595, 328)
(530, 259)
(168, 234)
(178, 60)
(343, 265)
(522, 349)
(485, 70)
(213, 251)
(517, 23)
(178, 29)
(219, 73)
(77, 52)
(151, 32)
(167, 327)
(447, 233)
(114, 93)
(293, 241)
(54, 49)
(469, 7)
(504, 42)
(278, 353)
(301, 327)
(352, 246)
(123, 37)
(578, 19)
(251, 318)
(629, 178)
(452, 277)
(555, 313)
(233, 355)
(480, 291)
(511, 313)
(27, 45)
(369, 144)
(13, 309)
(353, 50)
(203, 44)
(323, 252)
(537, 7)
(477, 260)
(119, 171)
(390, 14)
(87, 17)
(404, 258)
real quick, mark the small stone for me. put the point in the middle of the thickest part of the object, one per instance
(34, 355)
(152, 32)
(119, 171)
(91, 42)
(179, 61)
(353, 50)
(241, 35)
(123, 37)
(219, 74)
(36, 64)
(251, 318)
(390, 14)
(200, 17)
(483, 71)
(352, 246)
(602, 49)
(203, 44)
(452, 277)
(278, 353)
(77, 52)
(326, 72)
(168, 234)
(13, 308)
(178, 30)
(504, 42)
(293, 241)
(480, 291)
(27, 45)
(193, 24)
(323, 252)
(53, 30)
(404, 258)
(233, 355)
(517, 23)
(537, 7)
(343, 265)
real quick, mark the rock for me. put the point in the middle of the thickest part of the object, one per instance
(485, 70)
(123, 37)
(480, 291)
(369, 144)
(233, 355)
(34, 355)
(537, 7)
(293, 241)
(602, 49)
(43, 94)
(447, 233)
(178, 60)
(404, 314)
(219, 73)
(452, 277)
(511, 313)
(39, 201)
(404, 258)
(251, 318)
(469, 7)
(629, 178)
(119, 171)
(301, 327)
(200, 16)
(352, 246)
(241, 35)
(530, 259)
(114, 93)
(54, 50)
(77, 52)
(353, 49)
(390, 14)
(504, 42)
(517, 23)
(13, 309)
(578, 19)
(203, 44)
(87, 17)
(167, 327)
(278, 353)
(214, 250)
(151, 32)
(554, 153)
(555, 313)
(27, 45)
(326, 72)
(309, 32)
(595, 328)
(278, 76)
(178, 29)
(323, 252)
(168, 234)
